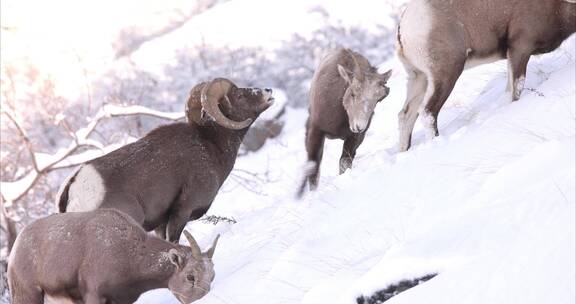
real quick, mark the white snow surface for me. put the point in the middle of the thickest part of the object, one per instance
(489, 205)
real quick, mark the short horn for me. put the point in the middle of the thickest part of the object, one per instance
(210, 97)
(196, 252)
(210, 252)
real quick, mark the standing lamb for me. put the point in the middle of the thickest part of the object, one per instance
(102, 256)
(438, 39)
(343, 94)
(171, 175)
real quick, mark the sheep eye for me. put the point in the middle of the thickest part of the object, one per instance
(190, 278)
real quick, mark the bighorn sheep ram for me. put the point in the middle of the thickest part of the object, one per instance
(102, 256)
(438, 39)
(344, 92)
(171, 175)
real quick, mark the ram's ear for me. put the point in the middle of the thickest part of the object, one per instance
(346, 74)
(176, 258)
(204, 117)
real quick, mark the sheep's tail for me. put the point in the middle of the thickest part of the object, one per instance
(399, 46)
(62, 196)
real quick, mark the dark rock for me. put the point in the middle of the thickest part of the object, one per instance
(269, 125)
(385, 294)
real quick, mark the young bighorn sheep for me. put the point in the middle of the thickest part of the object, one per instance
(343, 94)
(438, 39)
(171, 175)
(103, 256)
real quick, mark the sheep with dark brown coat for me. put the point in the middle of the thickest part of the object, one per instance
(343, 94)
(102, 256)
(438, 39)
(171, 175)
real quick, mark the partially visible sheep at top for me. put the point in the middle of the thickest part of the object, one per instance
(438, 39)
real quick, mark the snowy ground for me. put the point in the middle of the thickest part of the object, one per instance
(489, 205)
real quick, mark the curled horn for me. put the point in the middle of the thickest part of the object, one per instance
(196, 252)
(194, 110)
(210, 97)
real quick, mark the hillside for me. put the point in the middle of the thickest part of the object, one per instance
(489, 205)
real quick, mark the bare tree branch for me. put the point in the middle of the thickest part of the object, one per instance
(15, 190)
(23, 136)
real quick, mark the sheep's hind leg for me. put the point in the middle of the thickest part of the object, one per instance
(315, 149)
(27, 296)
(437, 92)
(416, 87)
(518, 58)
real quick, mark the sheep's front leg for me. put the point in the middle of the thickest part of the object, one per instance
(160, 231)
(518, 57)
(189, 206)
(178, 221)
(351, 144)
(176, 224)
(94, 298)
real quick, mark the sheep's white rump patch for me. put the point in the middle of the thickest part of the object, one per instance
(415, 28)
(87, 191)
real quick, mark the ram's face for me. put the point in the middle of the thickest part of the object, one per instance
(221, 101)
(249, 102)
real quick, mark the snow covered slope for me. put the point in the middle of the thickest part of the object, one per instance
(489, 205)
